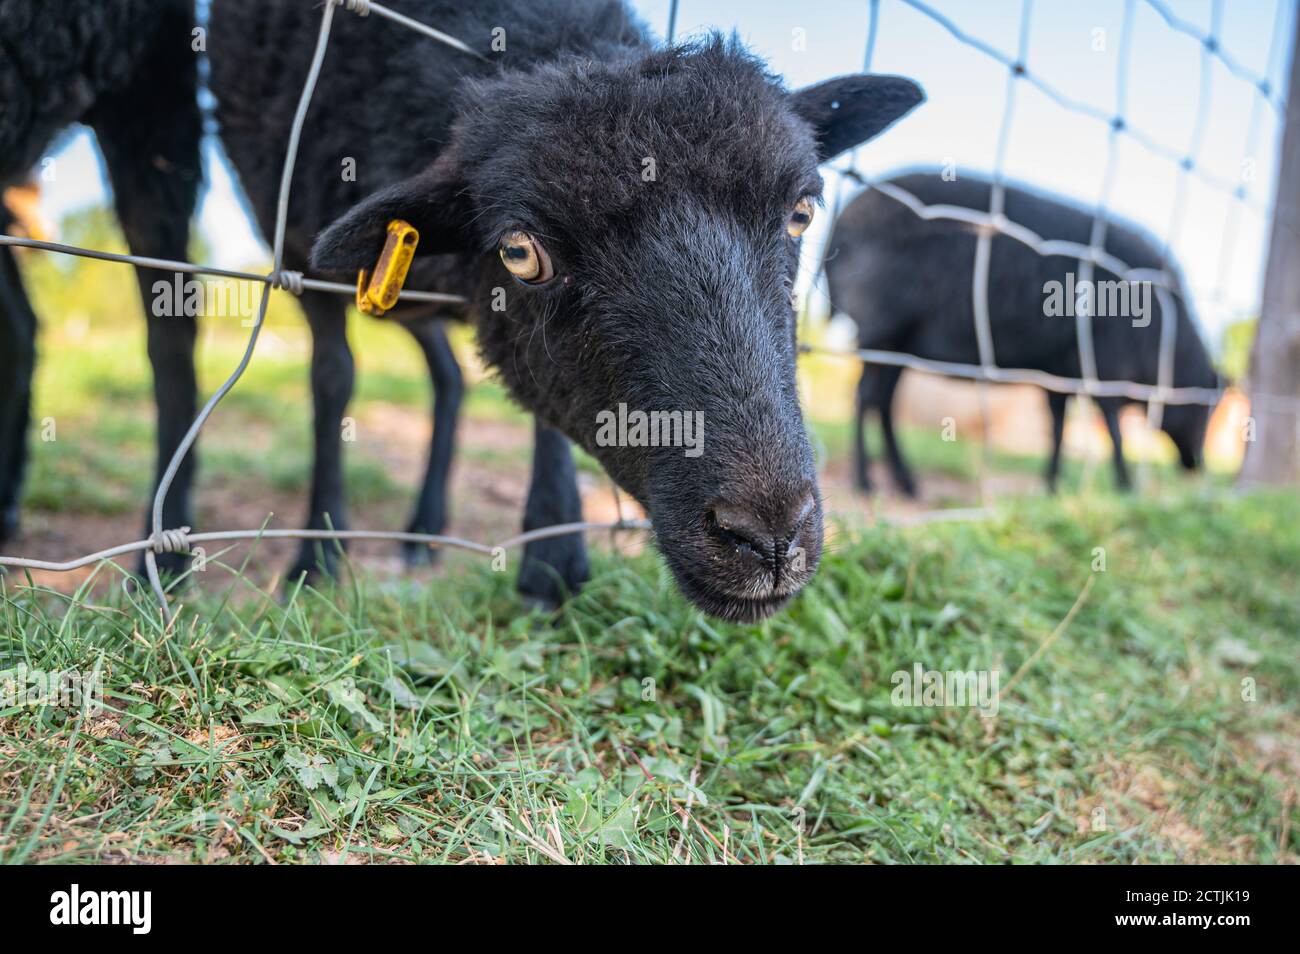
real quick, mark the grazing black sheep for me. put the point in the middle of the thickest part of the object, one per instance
(906, 282)
(128, 70)
(624, 220)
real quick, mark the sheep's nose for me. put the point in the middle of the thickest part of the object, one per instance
(774, 534)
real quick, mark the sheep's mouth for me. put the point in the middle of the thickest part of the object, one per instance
(730, 606)
(731, 579)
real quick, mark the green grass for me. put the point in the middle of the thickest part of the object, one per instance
(391, 721)
(442, 722)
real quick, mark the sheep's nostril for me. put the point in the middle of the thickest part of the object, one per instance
(744, 525)
(771, 539)
(801, 513)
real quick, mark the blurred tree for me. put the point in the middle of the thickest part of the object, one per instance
(1273, 456)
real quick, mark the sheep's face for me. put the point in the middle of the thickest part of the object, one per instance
(1186, 425)
(636, 231)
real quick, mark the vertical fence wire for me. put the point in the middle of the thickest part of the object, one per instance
(277, 252)
(1101, 220)
(850, 172)
(984, 245)
(1246, 172)
(1177, 218)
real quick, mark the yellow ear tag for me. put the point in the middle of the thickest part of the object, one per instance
(377, 291)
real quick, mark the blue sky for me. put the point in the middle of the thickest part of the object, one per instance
(1073, 46)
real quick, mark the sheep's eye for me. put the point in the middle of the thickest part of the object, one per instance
(800, 218)
(525, 258)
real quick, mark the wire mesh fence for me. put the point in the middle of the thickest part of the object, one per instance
(993, 222)
(1092, 255)
(988, 224)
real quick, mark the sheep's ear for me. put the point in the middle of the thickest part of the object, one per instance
(849, 110)
(434, 201)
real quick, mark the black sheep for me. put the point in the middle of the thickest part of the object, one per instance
(127, 69)
(624, 219)
(906, 282)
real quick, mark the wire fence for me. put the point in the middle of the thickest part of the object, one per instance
(180, 539)
(993, 222)
(988, 224)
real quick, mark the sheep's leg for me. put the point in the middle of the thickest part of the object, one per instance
(18, 346)
(1056, 404)
(555, 568)
(154, 167)
(170, 343)
(864, 401)
(430, 514)
(331, 389)
(888, 383)
(1110, 410)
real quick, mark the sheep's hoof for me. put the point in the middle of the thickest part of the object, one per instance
(311, 574)
(171, 568)
(417, 555)
(9, 523)
(544, 606)
(553, 570)
(906, 484)
(316, 566)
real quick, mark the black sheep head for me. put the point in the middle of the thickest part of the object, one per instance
(635, 229)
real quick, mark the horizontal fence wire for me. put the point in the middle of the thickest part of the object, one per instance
(182, 540)
(176, 540)
(290, 281)
(1098, 387)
